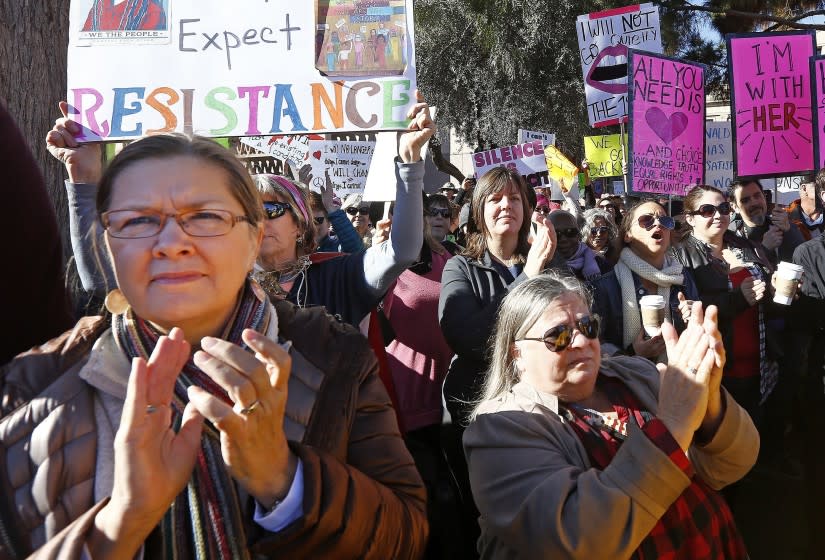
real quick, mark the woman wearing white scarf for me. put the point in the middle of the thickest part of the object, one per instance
(645, 268)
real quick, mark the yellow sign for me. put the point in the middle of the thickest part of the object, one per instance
(604, 155)
(560, 169)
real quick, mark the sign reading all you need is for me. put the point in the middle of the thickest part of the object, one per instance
(239, 68)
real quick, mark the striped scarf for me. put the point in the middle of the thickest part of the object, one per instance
(204, 521)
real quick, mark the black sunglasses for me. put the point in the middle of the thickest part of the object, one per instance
(352, 210)
(275, 209)
(319, 220)
(558, 338)
(609, 208)
(568, 232)
(594, 231)
(648, 221)
(543, 210)
(443, 212)
(709, 210)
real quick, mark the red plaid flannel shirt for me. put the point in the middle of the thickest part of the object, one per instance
(699, 524)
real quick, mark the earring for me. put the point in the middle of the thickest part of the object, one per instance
(116, 302)
(299, 241)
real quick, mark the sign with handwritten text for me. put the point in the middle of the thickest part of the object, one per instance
(288, 149)
(604, 155)
(771, 108)
(667, 124)
(548, 138)
(818, 77)
(718, 155)
(561, 170)
(604, 38)
(527, 159)
(216, 68)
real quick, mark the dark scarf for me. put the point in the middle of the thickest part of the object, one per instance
(205, 519)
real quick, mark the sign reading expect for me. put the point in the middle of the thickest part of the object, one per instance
(216, 68)
(667, 124)
(604, 38)
(771, 103)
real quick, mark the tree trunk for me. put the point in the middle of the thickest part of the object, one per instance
(34, 36)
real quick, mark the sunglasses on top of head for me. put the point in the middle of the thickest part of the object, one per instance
(558, 338)
(648, 221)
(709, 210)
(275, 209)
(363, 210)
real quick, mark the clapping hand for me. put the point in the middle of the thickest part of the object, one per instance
(543, 247)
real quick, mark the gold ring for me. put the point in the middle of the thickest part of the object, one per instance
(251, 408)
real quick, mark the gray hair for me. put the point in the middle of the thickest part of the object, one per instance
(590, 221)
(518, 313)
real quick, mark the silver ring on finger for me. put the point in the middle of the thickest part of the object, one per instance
(692, 370)
(251, 408)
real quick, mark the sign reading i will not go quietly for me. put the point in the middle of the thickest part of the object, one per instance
(771, 108)
(667, 124)
(604, 155)
(526, 159)
(604, 38)
(243, 68)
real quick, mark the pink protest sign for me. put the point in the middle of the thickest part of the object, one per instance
(667, 124)
(771, 110)
(818, 76)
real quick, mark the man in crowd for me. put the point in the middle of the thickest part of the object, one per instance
(806, 212)
(449, 190)
(774, 230)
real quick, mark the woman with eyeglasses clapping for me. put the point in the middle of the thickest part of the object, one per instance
(576, 456)
(645, 268)
(732, 273)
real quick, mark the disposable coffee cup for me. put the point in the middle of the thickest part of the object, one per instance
(787, 279)
(653, 314)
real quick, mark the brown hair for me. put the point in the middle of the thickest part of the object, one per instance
(630, 216)
(691, 201)
(164, 146)
(495, 181)
(316, 203)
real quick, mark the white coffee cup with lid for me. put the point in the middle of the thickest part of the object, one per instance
(787, 280)
(653, 314)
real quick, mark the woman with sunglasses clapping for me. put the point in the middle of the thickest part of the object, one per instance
(732, 273)
(572, 455)
(645, 268)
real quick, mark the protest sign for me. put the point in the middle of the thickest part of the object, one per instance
(361, 38)
(818, 102)
(348, 164)
(215, 68)
(718, 155)
(604, 38)
(527, 159)
(524, 136)
(560, 169)
(289, 149)
(771, 103)
(604, 155)
(667, 124)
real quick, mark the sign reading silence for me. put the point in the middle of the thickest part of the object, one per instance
(667, 124)
(604, 38)
(604, 155)
(771, 108)
(247, 68)
(526, 159)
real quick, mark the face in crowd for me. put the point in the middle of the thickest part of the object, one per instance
(750, 202)
(359, 215)
(567, 233)
(708, 214)
(646, 230)
(321, 225)
(599, 234)
(438, 217)
(609, 206)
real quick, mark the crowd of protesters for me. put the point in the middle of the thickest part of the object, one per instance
(258, 369)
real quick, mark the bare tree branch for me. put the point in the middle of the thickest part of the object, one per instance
(808, 14)
(788, 22)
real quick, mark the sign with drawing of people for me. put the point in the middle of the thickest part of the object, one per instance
(240, 68)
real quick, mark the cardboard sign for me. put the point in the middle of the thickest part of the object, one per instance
(348, 164)
(217, 68)
(718, 155)
(818, 102)
(527, 159)
(771, 103)
(561, 170)
(289, 149)
(604, 38)
(524, 136)
(667, 124)
(604, 155)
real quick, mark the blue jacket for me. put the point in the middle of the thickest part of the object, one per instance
(607, 302)
(345, 240)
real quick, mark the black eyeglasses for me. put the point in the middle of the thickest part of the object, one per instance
(543, 210)
(319, 220)
(570, 233)
(352, 210)
(594, 231)
(139, 224)
(648, 221)
(558, 338)
(443, 212)
(275, 209)
(709, 210)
